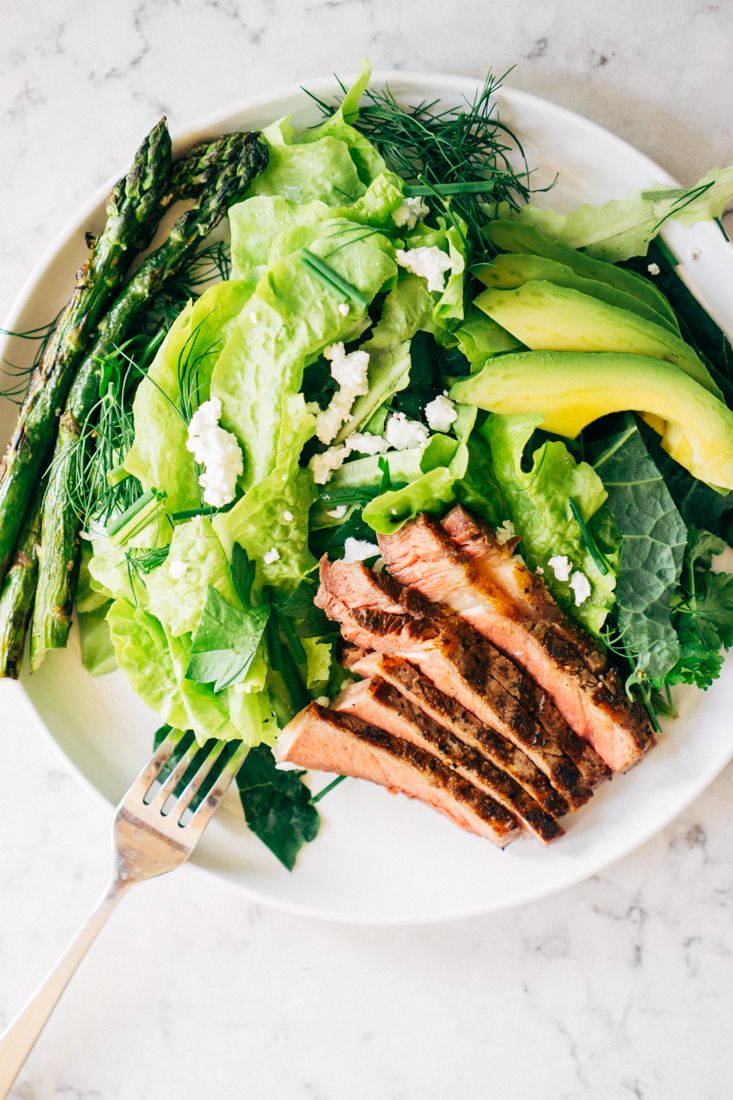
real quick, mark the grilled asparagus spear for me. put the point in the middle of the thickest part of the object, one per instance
(133, 212)
(16, 596)
(242, 156)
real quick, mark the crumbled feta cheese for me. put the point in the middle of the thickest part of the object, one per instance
(440, 413)
(401, 433)
(254, 318)
(540, 571)
(323, 701)
(343, 308)
(561, 567)
(288, 516)
(580, 586)
(359, 550)
(271, 556)
(323, 465)
(338, 512)
(178, 569)
(366, 443)
(217, 451)
(653, 269)
(693, 254)
(505, 531)
(427, 263)
(410, 212)
(351, 371)
(286, 766)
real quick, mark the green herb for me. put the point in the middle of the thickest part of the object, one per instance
(225, 642)
(588, 537)
(653, 540)
(467, 149)
(308, 621)
(119, 522)
(327, 789)
(277, 805)
(331, 278)
(702, 613)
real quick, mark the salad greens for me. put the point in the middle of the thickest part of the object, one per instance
(325, 351)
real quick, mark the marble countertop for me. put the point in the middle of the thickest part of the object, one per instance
(620, 987)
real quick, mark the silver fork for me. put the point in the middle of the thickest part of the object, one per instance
(155, 831)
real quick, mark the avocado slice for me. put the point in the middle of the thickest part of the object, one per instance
(546, 317)
(512, 236)
(571, 389)
(513, 269)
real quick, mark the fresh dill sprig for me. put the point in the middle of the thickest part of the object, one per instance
(21, 376)
(464, 156)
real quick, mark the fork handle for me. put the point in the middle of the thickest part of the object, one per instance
(20, 1037)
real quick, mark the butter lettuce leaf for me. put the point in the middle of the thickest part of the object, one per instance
(321, 168)
(537, 502)
(623, 228)
(185, 360)
(142, 652)
(178, 601)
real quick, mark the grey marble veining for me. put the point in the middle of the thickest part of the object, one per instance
(621, 987)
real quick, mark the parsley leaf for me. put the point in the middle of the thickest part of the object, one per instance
(225, 642)
(277, 805)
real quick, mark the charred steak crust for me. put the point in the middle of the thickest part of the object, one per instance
(456, 754)
(408, 679)
(503, 822)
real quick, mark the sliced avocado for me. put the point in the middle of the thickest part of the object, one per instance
(514, 236)
(510, 270)
(479, 337)
(571, 389)
(546, 317)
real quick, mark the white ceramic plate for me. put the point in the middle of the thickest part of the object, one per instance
(379, 858)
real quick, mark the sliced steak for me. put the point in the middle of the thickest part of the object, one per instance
(380, 704)
(373, 615)
(594, 706)
(498, 750)
(323, 740)
(500, 568)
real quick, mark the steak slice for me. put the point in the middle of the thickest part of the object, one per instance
(379, 704)
(596, 707)
(323, 740)
(373, 616)
(462, 724)
(500, 568)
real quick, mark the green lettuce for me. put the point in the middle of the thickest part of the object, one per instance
(179, 601)
(321, 168)
(479, 337)
(537, 499)
(367, 159)
(289, 319)
(623, 228)
(158, 456)
(142, 652)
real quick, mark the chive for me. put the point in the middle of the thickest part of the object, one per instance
(588, 539)
(117, 475)
(119, 522)
(331, 278)
(324, 790)
(205, 510)
(477, 187)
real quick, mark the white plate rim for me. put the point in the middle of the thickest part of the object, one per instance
(184, 138)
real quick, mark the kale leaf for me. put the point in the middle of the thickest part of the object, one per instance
(277, 805)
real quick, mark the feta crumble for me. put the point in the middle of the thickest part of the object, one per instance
(288, 516)
(428, 263)
(505, 531)
(401, 433)
(178, 569)
(540, 571)
(271, 556)
(218, 451)
(561, 567)
(653, 269)
(351, 371)
(338, 512)
(359, 550)
(325, 464)
(343, 308)
(366, 443)
(440, 413)
(410, 212)
(580, 586)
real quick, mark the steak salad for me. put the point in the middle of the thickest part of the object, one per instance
(381, 466)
